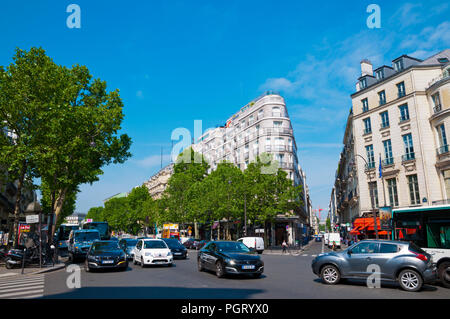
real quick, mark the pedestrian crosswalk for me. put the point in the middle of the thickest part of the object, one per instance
(22, 286)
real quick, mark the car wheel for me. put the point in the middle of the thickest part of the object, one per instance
(142, 263)
(219, 270)
(70, 257)
(199, 265)
(444, 274)
(410, 280)
(170, 265)
(330, 275)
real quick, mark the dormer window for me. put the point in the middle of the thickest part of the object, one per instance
(398, 65)
(363, 83)
(380, 74)
(443, 60)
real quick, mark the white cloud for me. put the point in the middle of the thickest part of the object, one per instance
(153, 160)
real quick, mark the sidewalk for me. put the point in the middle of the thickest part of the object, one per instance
(278, 250)
(31, 270)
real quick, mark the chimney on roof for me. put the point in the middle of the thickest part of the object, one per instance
(366, 68)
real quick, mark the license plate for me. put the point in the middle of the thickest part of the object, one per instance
(248, 267)
(108, 261)
(177, 253)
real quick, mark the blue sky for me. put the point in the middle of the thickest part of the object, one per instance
(179, 61)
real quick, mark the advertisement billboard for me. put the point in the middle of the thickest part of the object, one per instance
(385, 217)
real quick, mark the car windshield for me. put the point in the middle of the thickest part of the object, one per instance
(154, 244)
(101, 227)
(86, 236)
(131, 242)
(105, 246)
(65, 232)
(173, 243)
(232, 246)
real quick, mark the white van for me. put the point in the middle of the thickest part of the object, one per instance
(334, 238)
(257, 243)
(326, 236)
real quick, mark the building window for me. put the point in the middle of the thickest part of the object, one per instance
(260, 114)
(437, 102)
(382, 96)
(384, 119)
(398, 65)
(388, 158)
(363, 83)
(414, 190)
(367, 126)
(392, 188)
(365, 105)
(250, 120)
(276, 111)
(401, 89)
(370, 157)
(404, 112)
(409, 147)
(442, 140)
(380, 74)
(373, 191)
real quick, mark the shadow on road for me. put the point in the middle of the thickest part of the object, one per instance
(384, 284)
(155, 293)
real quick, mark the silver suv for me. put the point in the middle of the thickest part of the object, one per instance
(398, 261)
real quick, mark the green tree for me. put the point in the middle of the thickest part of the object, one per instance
(27, 91)
(96, 214)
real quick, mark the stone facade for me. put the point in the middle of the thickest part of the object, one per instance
(400, 118)
(158, 183)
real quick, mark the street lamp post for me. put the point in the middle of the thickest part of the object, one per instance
(375, 226)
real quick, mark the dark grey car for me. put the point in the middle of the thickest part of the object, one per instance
(398, 261)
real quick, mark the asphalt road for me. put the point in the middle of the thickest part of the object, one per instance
(285, 277)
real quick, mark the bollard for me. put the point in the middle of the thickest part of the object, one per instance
(23, 259)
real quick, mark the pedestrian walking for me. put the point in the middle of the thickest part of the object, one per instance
(284, 244)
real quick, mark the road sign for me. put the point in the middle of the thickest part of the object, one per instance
(32, 219)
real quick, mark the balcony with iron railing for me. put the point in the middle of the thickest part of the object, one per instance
(442, 77)
(442, 150)
(437, 108)
(387, 162)
(408, 157)
(370, 166)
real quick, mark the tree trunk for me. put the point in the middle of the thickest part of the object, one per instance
(17, 208)
(57, 209)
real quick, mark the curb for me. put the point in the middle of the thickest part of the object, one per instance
(40, 271)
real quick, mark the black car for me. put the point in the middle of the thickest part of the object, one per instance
(229, 257)
(177, 249)
(106, 254)
(127, 245)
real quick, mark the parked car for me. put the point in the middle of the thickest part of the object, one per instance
(199, 244)
(80, 241)
(190, 243)
(105, 254)
(229, 257)
(401, 262)
(152, 252)
(256, 243)
(177, 249)
(127, 245)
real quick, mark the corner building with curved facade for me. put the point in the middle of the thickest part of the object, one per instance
(262, 126)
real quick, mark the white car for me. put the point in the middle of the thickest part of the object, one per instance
(152, 252)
